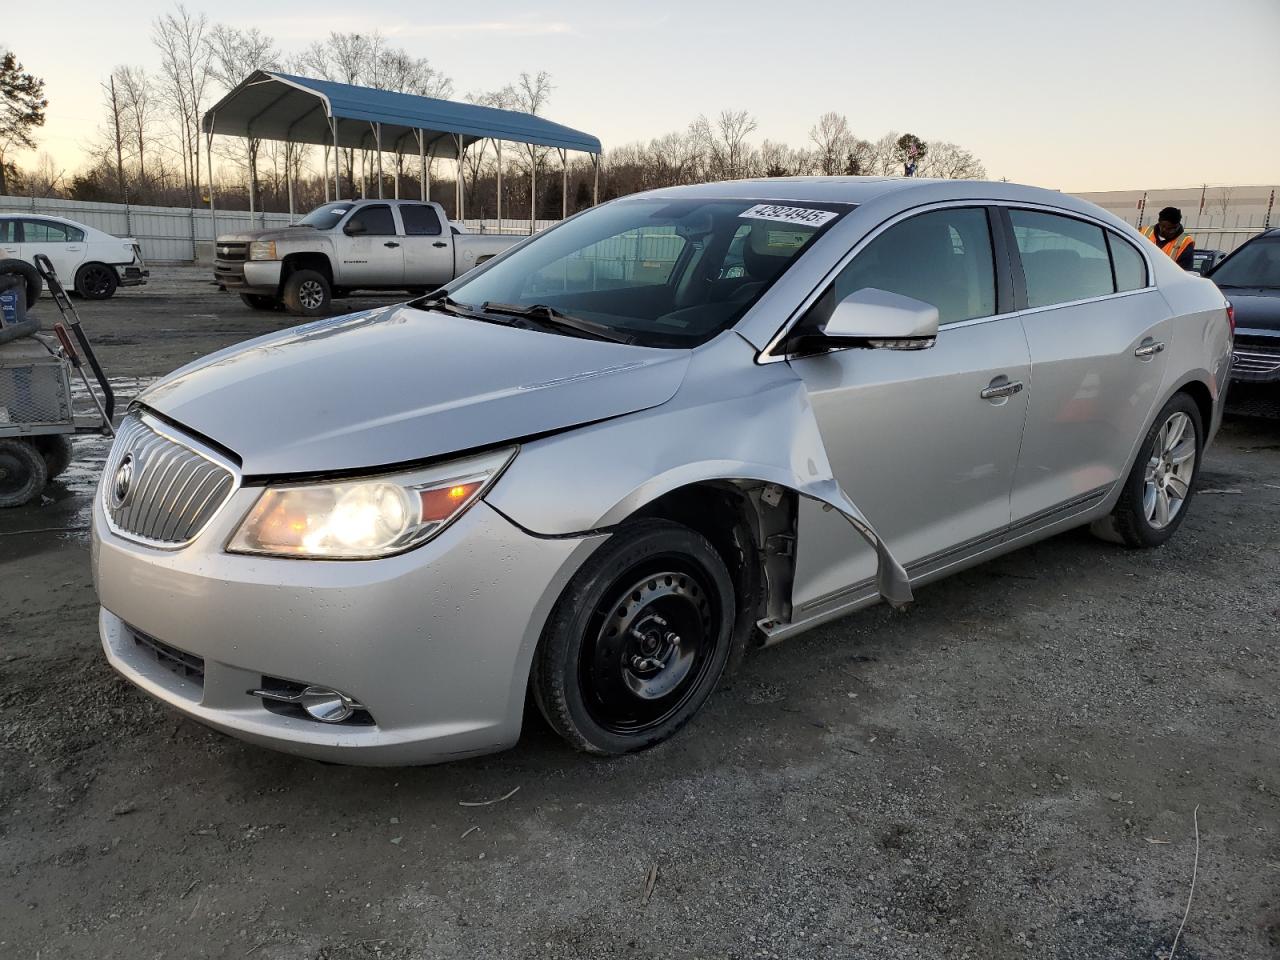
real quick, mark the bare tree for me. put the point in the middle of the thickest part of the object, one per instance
(725, 140)
(235, 54)
(952, 162)
(136, 100)
(530, 94)
(185, 73)
(779, 160)
(832, 140)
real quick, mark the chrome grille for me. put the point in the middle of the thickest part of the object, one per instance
(160, 489)
(1255, 361)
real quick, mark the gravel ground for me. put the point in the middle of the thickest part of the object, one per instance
(1014, 768)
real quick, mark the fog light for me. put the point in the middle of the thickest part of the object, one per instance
(320, 703)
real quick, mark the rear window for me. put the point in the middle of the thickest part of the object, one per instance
(419, 220)
(1062, 259)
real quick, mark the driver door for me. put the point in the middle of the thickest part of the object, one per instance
(371, 251)
(926, 441)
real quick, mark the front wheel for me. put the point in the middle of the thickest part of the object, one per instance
(22, 473)
(307, 293)
(1159, 488)
(96, 281)
(637, 641)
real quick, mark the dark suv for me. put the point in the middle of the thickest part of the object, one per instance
(1250, 279)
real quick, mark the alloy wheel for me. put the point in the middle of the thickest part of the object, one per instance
(96, 282)
(311, 294)
(1170, 468)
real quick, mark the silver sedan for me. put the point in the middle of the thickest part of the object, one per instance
(597, 470)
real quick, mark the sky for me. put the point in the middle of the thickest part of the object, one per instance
(1081, 95)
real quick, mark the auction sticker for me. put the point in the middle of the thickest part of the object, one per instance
(803, 216)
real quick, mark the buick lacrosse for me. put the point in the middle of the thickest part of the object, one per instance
(599, 468)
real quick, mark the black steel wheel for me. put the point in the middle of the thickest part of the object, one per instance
(22, 473)
(96, 281)
(638, 640)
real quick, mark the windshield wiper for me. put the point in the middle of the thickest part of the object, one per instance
(446, 304)
(551, 317)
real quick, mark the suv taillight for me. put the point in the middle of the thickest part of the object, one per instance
(1231, 318)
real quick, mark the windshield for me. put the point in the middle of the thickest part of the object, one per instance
(663, 272)
(326, 217)
(1256, 264)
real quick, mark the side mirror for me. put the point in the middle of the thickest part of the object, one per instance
(354, 228)
(877, 318)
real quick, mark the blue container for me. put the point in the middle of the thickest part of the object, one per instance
(13, 300)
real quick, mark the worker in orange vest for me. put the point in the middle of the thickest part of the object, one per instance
(1168, 235)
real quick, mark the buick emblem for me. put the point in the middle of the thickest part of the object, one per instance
(122, 482)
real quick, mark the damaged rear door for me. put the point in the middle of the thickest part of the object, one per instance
(925, 442)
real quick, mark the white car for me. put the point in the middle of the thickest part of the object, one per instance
(87, 260)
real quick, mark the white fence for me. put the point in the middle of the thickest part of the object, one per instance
(180, 235)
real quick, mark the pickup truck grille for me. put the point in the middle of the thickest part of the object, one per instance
(232, 250)
(157, 488)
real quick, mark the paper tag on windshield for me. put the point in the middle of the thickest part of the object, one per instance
(803, 216)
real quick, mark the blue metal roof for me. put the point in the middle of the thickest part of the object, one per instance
(280, 106)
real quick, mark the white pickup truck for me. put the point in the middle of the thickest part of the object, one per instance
(346, 246)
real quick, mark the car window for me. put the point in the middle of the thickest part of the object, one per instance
(1130, 268)
(74, 234)
(419, 220)
(8, 231)
(942, 258)
(1256, 264)
(377, 221)
(1062, 259)
(43, 231)
(644, 256)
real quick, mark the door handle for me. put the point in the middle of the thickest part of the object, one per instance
(1001, 388)
(1149, 349)
(391, 243)
(439, 243)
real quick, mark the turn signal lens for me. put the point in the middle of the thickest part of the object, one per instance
(365, 519)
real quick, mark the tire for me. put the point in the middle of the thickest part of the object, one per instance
(57, 453)
(307, 294)
(613, 688)
(28, 273)
(22, 473)
(1149, 510)
(259, 301)
(96, 281)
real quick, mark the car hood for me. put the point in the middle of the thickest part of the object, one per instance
(400, 384)
(276, 233)
(1255, 308)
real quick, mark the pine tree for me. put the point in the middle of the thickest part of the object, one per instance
(22, 106)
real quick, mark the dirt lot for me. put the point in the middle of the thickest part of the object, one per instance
(1011, 769)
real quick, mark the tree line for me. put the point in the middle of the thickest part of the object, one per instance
(149, 147)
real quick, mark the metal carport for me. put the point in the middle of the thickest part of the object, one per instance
(278, 106)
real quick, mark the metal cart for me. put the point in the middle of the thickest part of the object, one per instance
(37, 419)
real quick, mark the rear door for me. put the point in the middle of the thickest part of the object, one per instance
(371, 250)
(428, 246)
(1097, 332)
(925, 442)
(62, 243)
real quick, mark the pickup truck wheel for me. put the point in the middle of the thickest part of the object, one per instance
(260, 301)
(96, 281)
(306, 293)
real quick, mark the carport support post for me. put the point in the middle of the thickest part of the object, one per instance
(422, 167)
(595, 191)
(213, 215)
(533, 188)
(564, 183)
(461, 185)
(377, 137)
(498, 146)
(337, 171)
(288, 176)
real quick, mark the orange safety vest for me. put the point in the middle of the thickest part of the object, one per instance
(1175, 247)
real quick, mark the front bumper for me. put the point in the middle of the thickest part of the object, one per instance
(435, 643)
(248, 276)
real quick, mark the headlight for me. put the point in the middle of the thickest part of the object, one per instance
(365, 518)
(262, 250)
